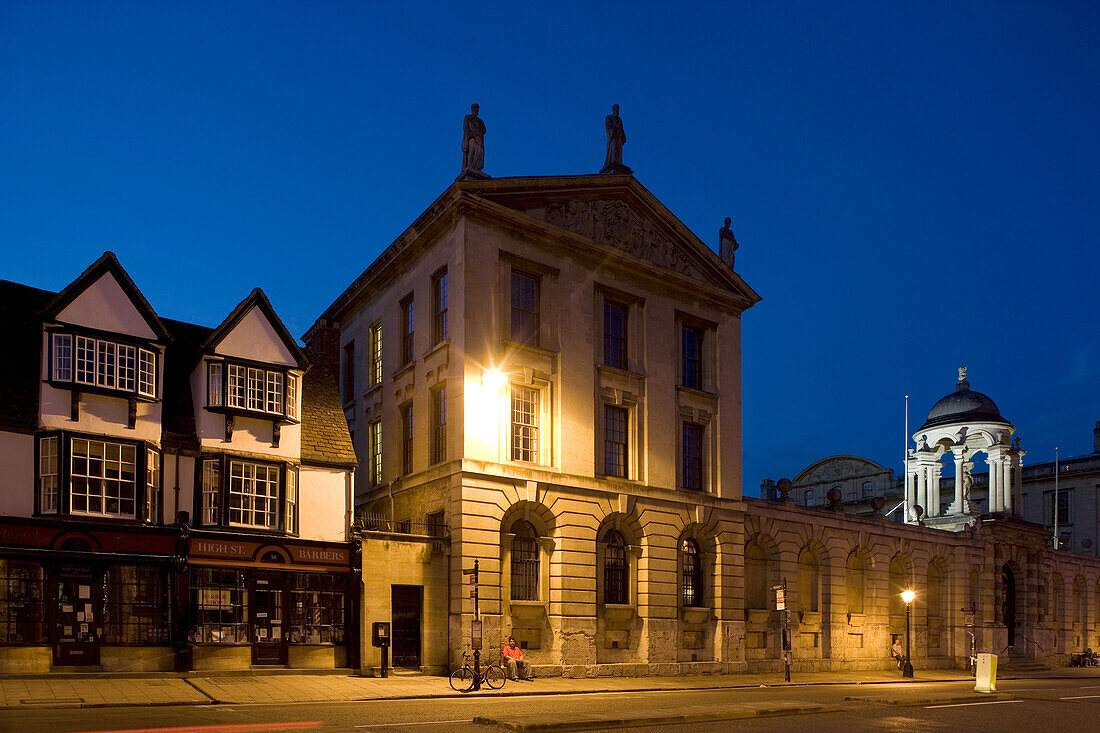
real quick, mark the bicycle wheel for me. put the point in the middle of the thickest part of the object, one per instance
(495, 677)
(462, 679)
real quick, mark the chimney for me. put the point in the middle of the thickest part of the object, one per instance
(1096, 438)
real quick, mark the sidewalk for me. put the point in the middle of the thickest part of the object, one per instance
(287, 688)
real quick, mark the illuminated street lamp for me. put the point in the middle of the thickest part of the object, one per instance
(907, 596)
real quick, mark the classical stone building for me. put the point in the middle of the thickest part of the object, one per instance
(550, 368)
(542, 376)
(172, 496)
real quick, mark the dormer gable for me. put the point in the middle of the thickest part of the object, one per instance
(104, 299)
(255, 333)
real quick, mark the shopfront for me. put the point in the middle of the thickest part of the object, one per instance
(73, 596)
(271, 602)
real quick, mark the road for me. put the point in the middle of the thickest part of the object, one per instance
(1021, 705)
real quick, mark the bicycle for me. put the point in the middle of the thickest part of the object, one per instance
(463, 678)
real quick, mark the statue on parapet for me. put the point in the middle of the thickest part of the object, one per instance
(727, 244)
(616, 138)
(473, 147)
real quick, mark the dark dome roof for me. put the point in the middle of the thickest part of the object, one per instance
(963, 405)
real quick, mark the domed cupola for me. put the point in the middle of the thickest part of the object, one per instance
(964, 405)
(959, 427)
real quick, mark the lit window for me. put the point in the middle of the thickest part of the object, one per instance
(376, 353)
(525, 308)
(439, 425)
(253, 495)
(691, 569)
(211, 489)
(104, 478)
(47, 475)
(691, 470)
(614, 334)
(374, 438)
(152, 485)
(614, 440)
(246, 388)
(692, 352)
(291, 502)
(439, 306)
(525, 424)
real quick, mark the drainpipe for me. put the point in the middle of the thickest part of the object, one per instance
(176, 483)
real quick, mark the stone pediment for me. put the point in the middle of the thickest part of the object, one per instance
(838, 468)
(614, 222)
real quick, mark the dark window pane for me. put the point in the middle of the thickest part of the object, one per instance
(692, 459)
(615, 584)
(692, 351)
(691, 569)
(525, 308)
(525, 562)
(614, 334)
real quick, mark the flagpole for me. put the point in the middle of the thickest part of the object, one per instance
(1056, 543)
(905, 465)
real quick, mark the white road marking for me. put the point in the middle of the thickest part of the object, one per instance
(1079, 697)
(965, 704)
(399, 725)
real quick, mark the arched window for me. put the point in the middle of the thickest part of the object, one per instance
(1056, 601)
(756, 576)
(809, 497)
(1096, 619)
(855, 573)
(691, 566)
(867, 490)
(809, 581)
(934, 592)
(975, 592)
(525, 562)
(616, 587)
(1079, 612)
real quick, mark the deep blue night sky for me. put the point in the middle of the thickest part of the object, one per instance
(913, 186)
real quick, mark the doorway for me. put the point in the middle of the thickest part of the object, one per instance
(78, 616)
(268, 602)
(407, 603)
(1008, 582)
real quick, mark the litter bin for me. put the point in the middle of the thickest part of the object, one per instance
(986, 678)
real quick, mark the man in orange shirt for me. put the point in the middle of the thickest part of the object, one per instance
(518, 667)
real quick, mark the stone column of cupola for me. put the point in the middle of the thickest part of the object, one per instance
(922, 487)
(994, 459)
(959, 452)
(1006, 483)
(937, 473)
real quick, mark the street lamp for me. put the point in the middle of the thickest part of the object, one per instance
(907, 596)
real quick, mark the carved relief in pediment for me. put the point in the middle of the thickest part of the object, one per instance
(615, 223)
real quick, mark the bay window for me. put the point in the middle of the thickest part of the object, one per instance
(235, 492)
(101, 363)
(89, 476)
(254, 389)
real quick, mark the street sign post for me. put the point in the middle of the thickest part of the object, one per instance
(781, 605)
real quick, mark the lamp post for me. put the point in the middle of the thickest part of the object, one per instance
(908, 596)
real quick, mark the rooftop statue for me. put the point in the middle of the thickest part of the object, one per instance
(616, 138)
(727, 244)
(473, 147)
